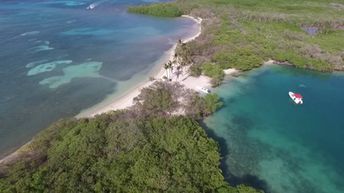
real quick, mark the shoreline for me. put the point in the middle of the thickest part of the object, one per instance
(126, 99)
(122, 101)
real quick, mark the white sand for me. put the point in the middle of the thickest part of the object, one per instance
(196, 83)
(270, 62)
(15, 155)
(126, 100)
(230, 71)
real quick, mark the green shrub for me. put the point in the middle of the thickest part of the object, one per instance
(159, 98)
(160, 10)
(212, 103)
(213, 71)
(199, 107)
(195, 70)
(240, 58)
(247, 189)
(120, 152)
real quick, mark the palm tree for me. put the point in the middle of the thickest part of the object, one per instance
(170, 68)
(178, 71)
(184, 58)
(167, 72)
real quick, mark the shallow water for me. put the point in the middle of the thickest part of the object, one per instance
(270, 142)
(58, 58)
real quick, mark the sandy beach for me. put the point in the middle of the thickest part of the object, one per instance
(126, 99)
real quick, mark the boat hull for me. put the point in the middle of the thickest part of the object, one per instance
(295, 99)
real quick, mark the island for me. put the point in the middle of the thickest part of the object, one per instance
(155, 142)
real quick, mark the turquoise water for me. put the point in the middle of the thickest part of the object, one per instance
(58, 58)
(271, 143)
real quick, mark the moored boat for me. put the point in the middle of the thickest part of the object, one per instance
(204, 90)
(91, 6)
(296, 97)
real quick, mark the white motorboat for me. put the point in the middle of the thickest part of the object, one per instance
(297, 98)
(91, 6)
(204, 90)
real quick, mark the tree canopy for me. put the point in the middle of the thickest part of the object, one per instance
(142, 149)
(121, 152)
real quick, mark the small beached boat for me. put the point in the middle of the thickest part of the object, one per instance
(297, 98)
(204, 90)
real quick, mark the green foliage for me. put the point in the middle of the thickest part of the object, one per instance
(213, 71)
(159, 98)
(160, 10)
(121, 152)
(247, 189)
(245, 33)
(241, 59)
(195, 70)
(212, 103)
(199, 107)
(165, 98)
(143, 149)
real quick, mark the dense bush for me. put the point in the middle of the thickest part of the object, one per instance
(142, 149)
(199, 107)
(159, 98)
(166, 98)
(121, 152)
(212, 103)
(195, 70)
(243, 34)
(241, 59)
(161, 10)
(213, 71)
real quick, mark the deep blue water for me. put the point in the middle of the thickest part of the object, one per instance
(57, 58)
(270, 142)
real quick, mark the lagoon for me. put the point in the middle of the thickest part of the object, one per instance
(269, 142)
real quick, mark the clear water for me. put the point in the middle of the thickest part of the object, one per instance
(270, 142)
(58, 58)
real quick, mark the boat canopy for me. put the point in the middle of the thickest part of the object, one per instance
(299, 96)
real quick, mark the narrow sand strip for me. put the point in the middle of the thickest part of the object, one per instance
(195, 83)
(126, 100)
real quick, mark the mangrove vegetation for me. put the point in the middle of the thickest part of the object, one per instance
(147, 148)
(243, 34)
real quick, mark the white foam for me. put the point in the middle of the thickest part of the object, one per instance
(87, 69)
(30, 33)
(32, 64)
(70, 21)
(87, 32)
(47, 67)
(41, 48)
(94, 5)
